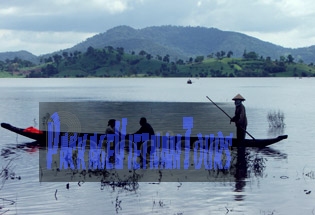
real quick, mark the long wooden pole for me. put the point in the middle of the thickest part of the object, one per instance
(229, 116)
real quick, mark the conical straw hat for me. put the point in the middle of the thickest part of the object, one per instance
(238, 97)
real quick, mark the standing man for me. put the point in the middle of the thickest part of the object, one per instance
(240, 117)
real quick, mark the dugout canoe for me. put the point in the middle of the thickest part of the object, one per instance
(40, 136)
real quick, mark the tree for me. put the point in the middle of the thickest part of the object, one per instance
(180, 62)
(199, 59)
(163, 67)
(229, 54)
(250, 56)
(244, 53)
(166, 58)
(120, 50)
(90, 51)
(76, 54)
(158, 57)
(118, 58)
(219, 55)
(57, 58)
(110, 49)
(290, 59)
(65, 55)
(142, 53)
(210, 55)
(48, 60)
(49, 70)
(222, 54)
(173, 68)
(268, 59)
(149, 56)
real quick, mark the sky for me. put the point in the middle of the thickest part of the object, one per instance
(42, 26)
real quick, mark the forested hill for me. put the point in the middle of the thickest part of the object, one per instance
(24, 55)
(115, 62)
(177, 42)
(186, 42)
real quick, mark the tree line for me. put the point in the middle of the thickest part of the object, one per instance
(93, 60)
(14, 64)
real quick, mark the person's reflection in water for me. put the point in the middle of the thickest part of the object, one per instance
(241, 173)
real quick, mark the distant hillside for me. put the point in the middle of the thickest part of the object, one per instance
(180, 43)
(186, 42)
(24, 55)
(111, 62)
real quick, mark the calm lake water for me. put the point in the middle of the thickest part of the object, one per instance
(282, 182)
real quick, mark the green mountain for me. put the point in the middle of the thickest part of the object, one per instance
(115, 62)
(179, 43)
(185, 42)
(24, 55)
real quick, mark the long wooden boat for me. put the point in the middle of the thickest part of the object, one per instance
(41, 137)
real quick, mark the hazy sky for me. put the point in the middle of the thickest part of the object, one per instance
(42, 26)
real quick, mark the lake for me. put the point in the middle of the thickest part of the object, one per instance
(280, 179)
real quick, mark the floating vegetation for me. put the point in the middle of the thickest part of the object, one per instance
(130, 183)
(7, 173)
(117, 205)
(276, 119)
(247, 164)
(257, 165)
(307, 192)
(268, 212)
(310, 174)
(6, 153)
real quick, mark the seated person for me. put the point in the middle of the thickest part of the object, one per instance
(145, 127)
(111, 128)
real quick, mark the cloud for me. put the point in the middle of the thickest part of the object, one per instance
(8, 11)
(239, 15)
(40, 42)
(69, 15)
(271, 20)
(284, 22)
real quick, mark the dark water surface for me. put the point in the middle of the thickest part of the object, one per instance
(279, 179)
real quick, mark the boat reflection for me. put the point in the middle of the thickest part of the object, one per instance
(250, 162)
(246, 163)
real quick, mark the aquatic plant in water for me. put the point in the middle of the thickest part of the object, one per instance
(276, 119)
(6, 173)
